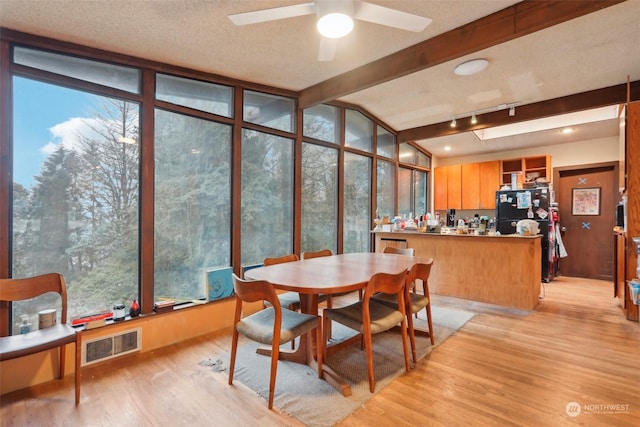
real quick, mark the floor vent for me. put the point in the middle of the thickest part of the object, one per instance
(107, 347)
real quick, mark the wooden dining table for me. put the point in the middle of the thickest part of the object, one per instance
(328, 275)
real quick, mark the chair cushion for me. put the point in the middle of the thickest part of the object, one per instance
(34, 342)
(291, 300)
(383, 317)
(259, 326)
(418, 301)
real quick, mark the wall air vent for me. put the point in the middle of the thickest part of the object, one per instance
(107, 347)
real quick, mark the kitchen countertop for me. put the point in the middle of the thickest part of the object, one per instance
(433, 233)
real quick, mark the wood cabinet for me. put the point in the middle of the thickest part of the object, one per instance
(528, 168)
(447, 187)
(503, 270)
(489, 183)
(468, 186)
(440, 188)
(470, 191)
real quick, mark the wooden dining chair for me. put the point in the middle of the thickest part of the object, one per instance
(414, 300)
(318, 254)
(398, 251)
(369, 317)
(273, 325)
(54, 337)
(290, 300)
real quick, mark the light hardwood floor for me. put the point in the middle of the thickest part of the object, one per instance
(501, 368)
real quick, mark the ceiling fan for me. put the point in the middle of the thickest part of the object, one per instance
(335, 19)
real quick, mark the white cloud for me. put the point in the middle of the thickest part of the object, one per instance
(68, 134)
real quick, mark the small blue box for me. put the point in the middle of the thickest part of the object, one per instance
(219, 283)
(634, 287)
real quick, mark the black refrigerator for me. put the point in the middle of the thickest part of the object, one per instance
(530, 203)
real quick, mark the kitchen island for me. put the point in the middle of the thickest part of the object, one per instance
(502, 270)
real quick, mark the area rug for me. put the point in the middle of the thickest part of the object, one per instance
(301, 394)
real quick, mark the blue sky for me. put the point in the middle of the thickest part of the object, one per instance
(43, 117)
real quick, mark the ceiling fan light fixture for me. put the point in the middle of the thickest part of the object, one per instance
(335, 25)
(471, 67)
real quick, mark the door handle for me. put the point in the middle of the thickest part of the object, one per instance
(563, 229)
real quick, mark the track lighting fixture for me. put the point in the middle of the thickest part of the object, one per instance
(512, 111)
(474, 120)
(453, 123)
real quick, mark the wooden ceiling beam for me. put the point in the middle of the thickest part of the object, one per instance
(567, 104)
(507, 24)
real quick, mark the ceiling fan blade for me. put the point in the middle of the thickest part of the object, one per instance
(273, 14)
(390, 17)
(327, 49)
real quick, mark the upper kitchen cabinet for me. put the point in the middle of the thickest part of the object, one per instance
(447, 187)
(528, 168)
(480, 181)
(489, 184)
(468, 186)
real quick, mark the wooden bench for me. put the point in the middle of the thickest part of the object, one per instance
(56, 336)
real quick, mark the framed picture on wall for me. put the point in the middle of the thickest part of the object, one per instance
(585, 201)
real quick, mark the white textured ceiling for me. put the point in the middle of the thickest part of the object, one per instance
(594, 51)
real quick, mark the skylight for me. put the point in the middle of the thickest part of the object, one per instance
(555, 122)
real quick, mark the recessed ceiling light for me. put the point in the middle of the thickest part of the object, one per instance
(470, 68)
(567, 131)
(447, 148)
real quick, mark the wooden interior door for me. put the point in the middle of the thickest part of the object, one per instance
(587, 236)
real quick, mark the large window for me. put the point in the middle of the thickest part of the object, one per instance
(386, 143)
(192, 203)
(386, 189)
(358, 131)
(405, 188)
(109, 161)
(212, 98)
(319, 198)
(272, 111)
(412, 192)
(267, 196)
(357, 203)
(110, 75)
(75, 194)
(322, 122)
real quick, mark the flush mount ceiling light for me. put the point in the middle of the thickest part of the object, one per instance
(335, 25)
(335, 18)
(470, 68)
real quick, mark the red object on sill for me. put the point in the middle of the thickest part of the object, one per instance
(91, 317)
(134, 309)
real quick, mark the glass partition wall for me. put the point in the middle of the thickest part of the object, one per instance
(134, 183)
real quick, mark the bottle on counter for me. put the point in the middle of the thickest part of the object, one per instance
(134, 309)
(25, 326)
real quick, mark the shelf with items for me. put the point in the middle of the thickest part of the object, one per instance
(527, 169)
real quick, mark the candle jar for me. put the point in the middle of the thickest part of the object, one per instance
(119, 312)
